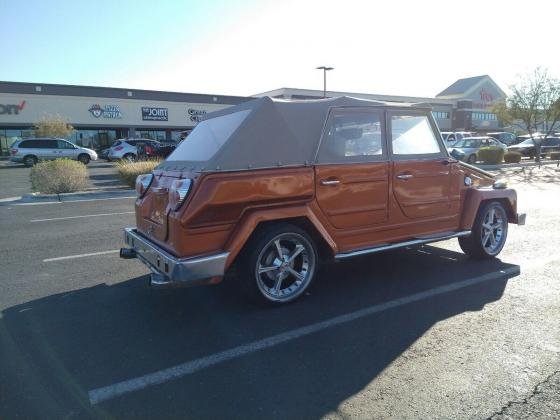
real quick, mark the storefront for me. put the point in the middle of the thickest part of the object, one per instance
(101, 115)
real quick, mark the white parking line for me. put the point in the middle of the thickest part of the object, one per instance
(79, 217)
(71, 257)
(112, 391)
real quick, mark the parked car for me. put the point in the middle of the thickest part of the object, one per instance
(528, 149)
(153, 149)
(30, 151)
(104, 153)
(507, 138)
(124, 149)
(467, 148)
(451, 137)
(275, 187)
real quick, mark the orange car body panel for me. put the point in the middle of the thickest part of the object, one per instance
(368, 205)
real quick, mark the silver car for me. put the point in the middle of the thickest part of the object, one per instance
(30, 151)
(467, 148)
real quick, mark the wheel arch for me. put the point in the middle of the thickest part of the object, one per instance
(303, 218)
(475, 198)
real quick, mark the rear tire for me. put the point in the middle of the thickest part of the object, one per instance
(471, 159)
(30, 161)
(278, 264)
(489, 232)
(84, 158)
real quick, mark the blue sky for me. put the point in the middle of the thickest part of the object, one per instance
(248, 46)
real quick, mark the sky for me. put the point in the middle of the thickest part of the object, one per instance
(244, 47)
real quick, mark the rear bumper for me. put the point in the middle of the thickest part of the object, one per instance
(520, 218)
(168, 270)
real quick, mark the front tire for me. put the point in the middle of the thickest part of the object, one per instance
(489, 232)
(84, 159)
(129, 157)
(278, 264)
(471, 159)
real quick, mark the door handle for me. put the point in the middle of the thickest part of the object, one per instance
(405, 176)
(330, 182)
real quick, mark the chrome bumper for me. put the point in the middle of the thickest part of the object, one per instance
(168, 270)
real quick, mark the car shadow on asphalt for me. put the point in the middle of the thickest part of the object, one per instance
(53, 350)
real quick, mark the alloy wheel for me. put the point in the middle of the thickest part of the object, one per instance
(285, 267)
(492, 232)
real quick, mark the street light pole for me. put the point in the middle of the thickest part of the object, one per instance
(325, 69)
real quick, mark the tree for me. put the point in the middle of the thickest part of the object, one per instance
(533, 105)
(53, 126)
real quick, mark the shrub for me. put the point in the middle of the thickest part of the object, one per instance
(512, 157)
(59, 176)
(128, 171)
(555, 155)
(491, 155)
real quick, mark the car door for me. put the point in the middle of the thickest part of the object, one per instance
(352, 169)
(66, 150)
(421, 175)
(49, 149)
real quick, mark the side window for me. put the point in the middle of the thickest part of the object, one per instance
(352, 135)
(50, 144)
(64, 144)
(24, 145)
(451, 137)
(413, 135)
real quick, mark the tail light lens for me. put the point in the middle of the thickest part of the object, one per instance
(178, 192)
(118, 148)
(143, 183)
(13, 152)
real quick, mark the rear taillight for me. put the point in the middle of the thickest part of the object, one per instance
(118, 148)
(143, 183)
(178, 192)
(13, 152)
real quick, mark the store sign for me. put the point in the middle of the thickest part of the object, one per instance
(154, 114)
(196, 114)
(12, 109)
(106, 111)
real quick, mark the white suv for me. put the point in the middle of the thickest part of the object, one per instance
(124, 149)
(30, 151)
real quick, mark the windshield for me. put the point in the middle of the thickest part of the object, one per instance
(207, 138)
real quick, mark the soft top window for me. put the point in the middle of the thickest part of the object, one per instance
(208, 137)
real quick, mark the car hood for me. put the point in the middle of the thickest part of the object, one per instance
(90, 151)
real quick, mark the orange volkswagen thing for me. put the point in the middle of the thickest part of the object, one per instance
(274, 187)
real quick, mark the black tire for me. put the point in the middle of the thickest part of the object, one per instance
(278, 285)
(30, 161)
(129, 157)
(471, 159)
(480, 246)
(84, 158)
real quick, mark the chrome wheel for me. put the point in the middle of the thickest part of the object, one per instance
(285, 267)
(492, 232)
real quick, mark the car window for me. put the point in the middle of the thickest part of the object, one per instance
(413, 135)
(132, 142)
(61, 144)
(352, 136)
(24, 144)
(50, 144)
(116, 143)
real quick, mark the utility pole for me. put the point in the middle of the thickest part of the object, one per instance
(325, 69)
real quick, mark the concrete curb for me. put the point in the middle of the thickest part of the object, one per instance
(67, 197)
(513, 165)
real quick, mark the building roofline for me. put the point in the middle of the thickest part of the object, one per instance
(114, 93)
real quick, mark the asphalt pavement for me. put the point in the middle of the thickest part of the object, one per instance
(416, 333)
(16, 181)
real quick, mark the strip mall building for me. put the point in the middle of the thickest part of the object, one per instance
(101, 115)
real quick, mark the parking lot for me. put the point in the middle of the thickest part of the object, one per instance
(420, 332)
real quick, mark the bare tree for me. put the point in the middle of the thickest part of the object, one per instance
(53, 126)
(533, 106)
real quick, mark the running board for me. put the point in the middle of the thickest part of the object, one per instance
(419, 241)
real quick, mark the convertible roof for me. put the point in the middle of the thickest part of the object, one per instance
(270, 133)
